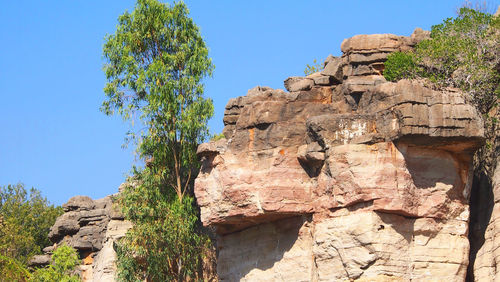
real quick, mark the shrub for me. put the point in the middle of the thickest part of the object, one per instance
(65, 259)
(462, 52)
(400, 65)
(315, 67)
(165, 243)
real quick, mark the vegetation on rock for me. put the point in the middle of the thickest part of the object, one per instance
(156, 62)
(462, 52)
(65, 259)
(313, 68)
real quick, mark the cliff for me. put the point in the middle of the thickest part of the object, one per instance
(346, 177)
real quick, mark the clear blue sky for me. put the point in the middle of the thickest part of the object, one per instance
(52, 134)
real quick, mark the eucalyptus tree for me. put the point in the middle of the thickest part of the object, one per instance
(156, 63)
(155, 66)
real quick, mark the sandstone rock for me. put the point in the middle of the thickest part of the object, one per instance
(328, 59)
(48, 250)
(367, 180)
(105, 268)
(372, 42)
(419, 35)
(297, 83)
(39, 261)
(279, 251)
(79, 203)
(334, 69)
(91, 227)
(487, 256)
(63, 226)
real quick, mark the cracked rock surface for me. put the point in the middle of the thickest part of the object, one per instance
(345, 177)
(91, 227)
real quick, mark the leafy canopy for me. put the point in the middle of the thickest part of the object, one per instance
(156, 62)
(165, 243)
(25, 221)
(463, 52)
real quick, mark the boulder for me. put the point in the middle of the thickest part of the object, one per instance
(297, 83)
(79, 203)
(334, 69)
(39, 261)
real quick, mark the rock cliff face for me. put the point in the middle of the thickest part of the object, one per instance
(91, 227)
(344, 177)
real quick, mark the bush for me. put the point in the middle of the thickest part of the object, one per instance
(462, 52)
(315, 67)
(12, 270)
(65, 259)
(165, 242)
(400, 65)
(25, 221)
(217, 137)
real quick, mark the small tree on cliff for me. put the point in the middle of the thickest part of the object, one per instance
(156, 62)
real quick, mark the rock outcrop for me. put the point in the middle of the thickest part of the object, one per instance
(344, 177)
(91, 227)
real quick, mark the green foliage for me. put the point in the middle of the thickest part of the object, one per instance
(164, 244)
(462, 52)
(400, 65)
(315, 67)
(155, 65)
(217, 137)
(12, 270)
(25, 221)
(65, 259)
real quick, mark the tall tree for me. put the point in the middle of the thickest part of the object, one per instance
(156, 62)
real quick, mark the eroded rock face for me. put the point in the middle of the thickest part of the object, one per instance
(91, 227)
(347, 177)
(487, 258)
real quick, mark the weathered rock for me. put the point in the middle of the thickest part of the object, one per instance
(487, 257)
(105, 261)
(79, 203)
(297, 83)
(419, 35)
(334, 69)
(373, 43)
(91, 227)
(279, 251)
(39, 261)
(368, 180)
(67, 224)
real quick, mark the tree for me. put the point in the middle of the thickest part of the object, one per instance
(155, 64)
(65, 259)
(25, 221)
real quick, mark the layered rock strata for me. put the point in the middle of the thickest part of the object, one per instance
(344, 177)
(91, 227)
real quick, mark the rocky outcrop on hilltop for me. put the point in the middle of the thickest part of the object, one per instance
(344, 177)
(91, 227)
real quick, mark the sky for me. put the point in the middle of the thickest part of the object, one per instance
(53, 136)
